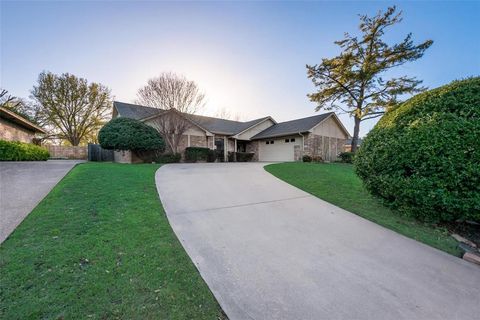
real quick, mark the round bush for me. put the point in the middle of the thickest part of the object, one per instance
(129, 134)
(423, 158)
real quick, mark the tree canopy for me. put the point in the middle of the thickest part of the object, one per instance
(354, 81)
(71, 108)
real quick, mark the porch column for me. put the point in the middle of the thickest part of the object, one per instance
(225, 149)
(235, 151)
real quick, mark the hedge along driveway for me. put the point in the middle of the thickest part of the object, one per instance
(100, 247)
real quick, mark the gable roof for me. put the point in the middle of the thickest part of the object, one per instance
(134, 111)
(19, 120)
(292, 126)
(211, 124)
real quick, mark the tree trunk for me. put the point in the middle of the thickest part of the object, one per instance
(356, 131)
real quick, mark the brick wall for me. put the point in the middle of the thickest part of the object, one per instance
(12, 132)
(326, 147)
(68, 152)
(252, 146)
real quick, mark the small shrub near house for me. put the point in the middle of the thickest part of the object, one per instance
(306, 158)
(423, 157)
(240, 156)
(129, 134)
(19, 151)
(194, 154)
(346, 157)
(168, 158)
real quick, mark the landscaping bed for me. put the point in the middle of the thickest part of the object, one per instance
(99, 246)
(338, 184)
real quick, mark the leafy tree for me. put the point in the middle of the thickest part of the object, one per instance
(70, 107)
(353, 82)
(17, 105)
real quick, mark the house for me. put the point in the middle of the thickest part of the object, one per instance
(321, 135)
(348, 144)
(14, 127)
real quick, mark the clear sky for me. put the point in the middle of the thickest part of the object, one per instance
(249, 57)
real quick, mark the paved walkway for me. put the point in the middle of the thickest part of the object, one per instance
(268, 250)
(23, 185)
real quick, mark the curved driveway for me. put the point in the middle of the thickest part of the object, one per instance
(268, 250)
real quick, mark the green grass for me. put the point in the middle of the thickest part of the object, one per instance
(338, 184)
(99, 246)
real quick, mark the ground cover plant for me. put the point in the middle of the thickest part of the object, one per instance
(99, 246)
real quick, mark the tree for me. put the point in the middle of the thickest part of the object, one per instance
(353, 82)
(176, 98)
(70, 107)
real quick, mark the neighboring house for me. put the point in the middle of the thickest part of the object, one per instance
(16, 128)
(321, 135)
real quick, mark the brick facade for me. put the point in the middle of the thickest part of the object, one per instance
(12, 132)
(252, 146)
(68, 152)
(326, 147)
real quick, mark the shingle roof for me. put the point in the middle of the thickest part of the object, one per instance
(134, 111)
(213, 125)
(292, 126)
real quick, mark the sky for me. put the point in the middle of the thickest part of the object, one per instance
(248, 57)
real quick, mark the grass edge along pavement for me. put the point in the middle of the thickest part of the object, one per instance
(99, 246)
(338, 184)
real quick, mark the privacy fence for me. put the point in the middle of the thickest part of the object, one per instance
(67, 152)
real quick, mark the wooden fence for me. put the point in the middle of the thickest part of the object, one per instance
(67, 152)
(97, 153)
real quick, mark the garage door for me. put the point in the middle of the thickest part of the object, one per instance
(279, 150)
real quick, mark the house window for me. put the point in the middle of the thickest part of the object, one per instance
(292, 140)
(271, 142)
(267, 142)
(286, 140)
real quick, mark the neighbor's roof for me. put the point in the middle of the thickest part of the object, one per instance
(19, 120)
(134, 111)
(292, 126)
(213, 125)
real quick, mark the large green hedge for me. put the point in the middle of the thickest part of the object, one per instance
(129, 134)
(19, 151)
(194, 154)
(424, 157)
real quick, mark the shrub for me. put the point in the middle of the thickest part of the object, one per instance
(307, 158)
(346, 157)
(211, 156)
(194, 154)
(168, 158)
(19, 151)
(423, 157)
(129, 134)
(240, 156)
(317, 159)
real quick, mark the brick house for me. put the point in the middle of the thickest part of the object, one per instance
(14, 127)
(321, 135)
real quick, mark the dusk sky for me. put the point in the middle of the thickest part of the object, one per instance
(248, 57)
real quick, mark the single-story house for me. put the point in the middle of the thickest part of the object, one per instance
(321, 135)
(14, 127)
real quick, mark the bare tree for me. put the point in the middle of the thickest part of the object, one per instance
(224, 113)
(70, 107)
(176, 97)
(6, 100)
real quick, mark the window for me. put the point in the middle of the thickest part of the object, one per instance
(271, 142)
(286, 140)
(292, 140)
(267, 142)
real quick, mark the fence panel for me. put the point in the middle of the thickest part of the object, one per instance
(67, 152)
(97, 153)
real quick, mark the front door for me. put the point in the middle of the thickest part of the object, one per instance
(220, 149)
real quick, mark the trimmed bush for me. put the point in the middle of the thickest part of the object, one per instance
(20, 151)
(129, 134)
(346, 157)
(168, 158)
(306, 158)
(423, 157)
(241, 156)
(194, 154)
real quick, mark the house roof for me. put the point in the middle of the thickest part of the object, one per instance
(19, 120)
(292, 126)
(211, 124)
(134, 111)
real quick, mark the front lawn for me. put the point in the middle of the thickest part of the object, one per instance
(338, 184)
(99, 246)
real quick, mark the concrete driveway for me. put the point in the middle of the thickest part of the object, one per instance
(268, 250)
(23, 185)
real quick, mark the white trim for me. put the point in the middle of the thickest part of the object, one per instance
(208, 133)
(338, 122)
(256, 124)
